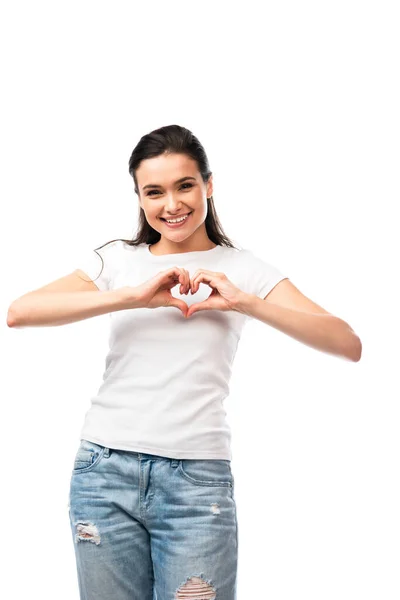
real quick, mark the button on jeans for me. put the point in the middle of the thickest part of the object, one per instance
(147, 527)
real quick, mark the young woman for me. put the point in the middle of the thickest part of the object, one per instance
(152, 507)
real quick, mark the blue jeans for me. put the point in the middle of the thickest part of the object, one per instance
(147, 527)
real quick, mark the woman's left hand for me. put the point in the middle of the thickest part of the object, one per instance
(224, 295)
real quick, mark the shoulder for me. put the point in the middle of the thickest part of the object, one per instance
(261, 275)
(241, 257)
(229, 252)
(250, 259)
(111, 246)
(246, 254)
(116, 248)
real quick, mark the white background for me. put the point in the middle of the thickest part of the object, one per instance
(297, 106)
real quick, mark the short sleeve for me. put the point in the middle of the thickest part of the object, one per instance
(101, 274)
(261, 276)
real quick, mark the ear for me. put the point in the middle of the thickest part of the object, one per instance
(210, 186)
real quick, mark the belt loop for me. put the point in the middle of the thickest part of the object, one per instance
(106, 452)
(174, 462)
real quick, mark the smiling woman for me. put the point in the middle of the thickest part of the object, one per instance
(156, 437)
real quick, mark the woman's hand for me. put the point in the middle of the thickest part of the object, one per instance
(224, 295)
(156, 292)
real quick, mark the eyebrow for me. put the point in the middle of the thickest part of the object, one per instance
(156, 185)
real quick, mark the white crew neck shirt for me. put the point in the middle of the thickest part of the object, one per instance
(166, 377)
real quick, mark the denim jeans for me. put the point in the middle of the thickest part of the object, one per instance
(147, 527)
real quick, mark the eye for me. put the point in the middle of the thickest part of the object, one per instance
(151, 192)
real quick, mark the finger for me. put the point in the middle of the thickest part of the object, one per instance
(191, 310)
(172, 275)
(184, 281)
(181, 280)
(204, 271)
(186, 287)
(195, 284)
(197, 307)
(176, 303)
(203, 277)
(178, 276)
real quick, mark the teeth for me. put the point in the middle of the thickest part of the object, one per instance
(177, 220)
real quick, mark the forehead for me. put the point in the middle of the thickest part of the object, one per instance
(165, 169)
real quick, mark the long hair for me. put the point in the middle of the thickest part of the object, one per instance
(171, 139)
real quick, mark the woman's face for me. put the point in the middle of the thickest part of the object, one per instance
(170, 185)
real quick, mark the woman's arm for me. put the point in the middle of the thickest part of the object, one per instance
(285, 308)
(67, 300)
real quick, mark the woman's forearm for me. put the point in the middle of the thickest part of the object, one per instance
(324, 332)
(46, 309)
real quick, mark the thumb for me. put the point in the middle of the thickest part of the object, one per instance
(198, 306)
(178, 304)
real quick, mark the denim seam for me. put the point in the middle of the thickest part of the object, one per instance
(90, 467)
(202, 483)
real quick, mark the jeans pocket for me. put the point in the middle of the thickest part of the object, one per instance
(211, 472)
(89, 455)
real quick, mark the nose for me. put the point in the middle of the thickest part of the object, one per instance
(172, 205)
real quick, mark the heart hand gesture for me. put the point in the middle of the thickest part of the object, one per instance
(156, 292)
(224, 295)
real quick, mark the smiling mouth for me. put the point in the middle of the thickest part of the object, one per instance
(186, 215)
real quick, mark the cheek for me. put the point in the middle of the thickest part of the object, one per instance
(199, 207)
(151, 215)
(152, 219)
(200, 214)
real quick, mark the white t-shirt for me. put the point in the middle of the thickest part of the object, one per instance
(166, 377)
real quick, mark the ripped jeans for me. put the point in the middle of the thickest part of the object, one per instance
(147, 527)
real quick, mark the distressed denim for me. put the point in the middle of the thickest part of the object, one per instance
(147, 527)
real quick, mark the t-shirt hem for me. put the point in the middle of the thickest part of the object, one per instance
(194, 454)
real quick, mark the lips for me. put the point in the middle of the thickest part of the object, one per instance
(177, 216)
(178, 225)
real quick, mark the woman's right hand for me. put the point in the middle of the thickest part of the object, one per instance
(156, 292)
